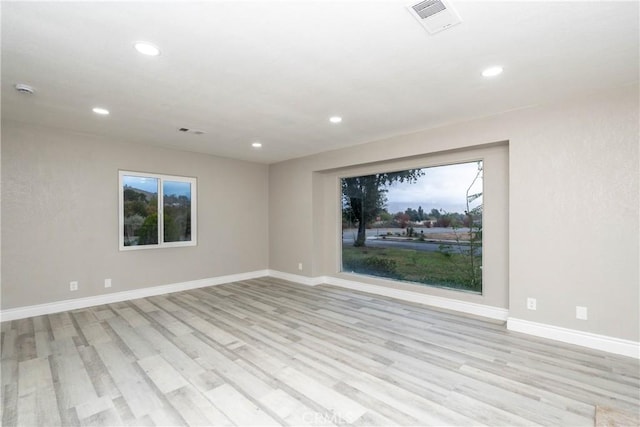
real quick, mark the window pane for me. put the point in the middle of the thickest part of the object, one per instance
(176, 211)
(140, 210)
(419, 225)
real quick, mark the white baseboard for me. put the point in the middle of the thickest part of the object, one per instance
(435, 301)
(303, 280)
(572, 336)
(77, 303)
(431, 300)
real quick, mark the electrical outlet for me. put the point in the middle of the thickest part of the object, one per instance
(107, 283)
(581, 313)
(532, 304)
(73, 286)
(300, 266)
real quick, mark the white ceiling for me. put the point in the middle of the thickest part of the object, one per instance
(275, 71)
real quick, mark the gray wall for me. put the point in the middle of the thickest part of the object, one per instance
(573, 209)
(60, 216)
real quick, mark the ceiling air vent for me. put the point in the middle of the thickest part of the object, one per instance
(191, 131)
(435, 15)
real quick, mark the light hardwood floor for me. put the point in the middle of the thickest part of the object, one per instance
(268, 352)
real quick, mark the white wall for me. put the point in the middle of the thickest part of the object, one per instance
(60, 216)
(573, 206)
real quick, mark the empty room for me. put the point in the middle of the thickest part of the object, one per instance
(315, 213)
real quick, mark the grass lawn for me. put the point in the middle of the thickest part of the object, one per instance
(429, 268)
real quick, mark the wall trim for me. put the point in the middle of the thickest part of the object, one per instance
(572, 336)
(435, 301)
(482, 310)
(77, 303)
(569, 336)
(303, 280)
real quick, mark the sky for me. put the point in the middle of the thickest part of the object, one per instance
(173, 188)
(151, 185)
(441, 187)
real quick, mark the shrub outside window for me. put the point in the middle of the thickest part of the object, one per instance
(156, 211)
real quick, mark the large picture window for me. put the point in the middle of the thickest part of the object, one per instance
(417, 225)
(156, 211)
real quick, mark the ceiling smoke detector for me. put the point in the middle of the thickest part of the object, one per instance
(191, 131)
(23, 88)
(435, 15)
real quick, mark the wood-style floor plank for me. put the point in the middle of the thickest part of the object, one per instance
(269, 352)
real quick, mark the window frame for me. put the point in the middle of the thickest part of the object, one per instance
(161, 179)
(391, 167)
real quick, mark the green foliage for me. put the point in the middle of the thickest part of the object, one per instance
(152, 207)
(371, 265)
(148, 233)
(171, 230)
(385, 216)
(415, 215)
(141, 217)
(131, 225)
(427, 268)
(131, 195)
(464, 262)
(177, 221)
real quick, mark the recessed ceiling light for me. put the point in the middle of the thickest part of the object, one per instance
(256, 145)
(335, 119)
(147, 48)
(101, 111)
(492, 71)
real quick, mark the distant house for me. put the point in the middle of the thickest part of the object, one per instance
(428, 222)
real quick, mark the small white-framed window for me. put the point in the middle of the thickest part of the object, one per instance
(156, 211)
